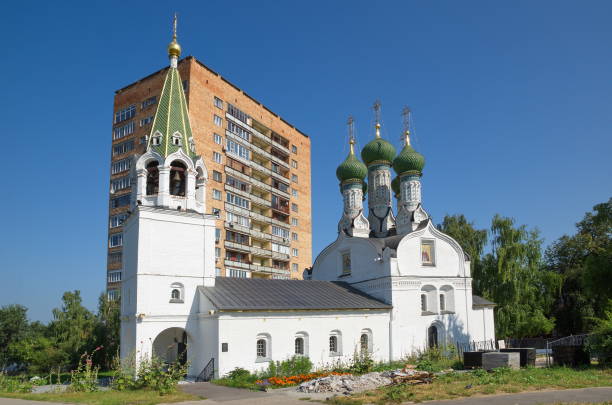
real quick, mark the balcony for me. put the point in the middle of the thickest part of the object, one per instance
(260, 201)
(260, 184)
(261, 152)
(260, 168)
(237, 191)
(238, 265)
(280, 256)
(238, 174)
(257, 251)
(260, 235)
(238, 210)
(237, 246)
(261, 218)
(236, 227)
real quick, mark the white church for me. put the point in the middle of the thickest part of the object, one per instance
(389, 284)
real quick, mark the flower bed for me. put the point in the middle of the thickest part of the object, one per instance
(294, 379)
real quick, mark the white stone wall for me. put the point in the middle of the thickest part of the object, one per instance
(240, 331)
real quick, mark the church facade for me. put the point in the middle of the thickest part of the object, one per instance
(389, 284)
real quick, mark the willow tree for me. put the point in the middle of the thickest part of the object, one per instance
(513, 277)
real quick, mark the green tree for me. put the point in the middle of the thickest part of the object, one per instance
(72, 328)
(107, 330)
(472, 241)
(584, 261)
(13, 328)
(513, 277)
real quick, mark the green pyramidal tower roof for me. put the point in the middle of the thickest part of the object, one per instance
(171, 120)
(171, 129)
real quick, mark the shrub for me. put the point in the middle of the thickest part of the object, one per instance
(14, 384)
(85, 377)
(238, 373)
(600, 342)
(292, 366)
(362, 362)
(151, 373)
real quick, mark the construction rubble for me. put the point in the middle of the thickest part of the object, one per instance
(348, 383)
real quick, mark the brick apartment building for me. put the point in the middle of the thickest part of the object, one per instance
(258, 174)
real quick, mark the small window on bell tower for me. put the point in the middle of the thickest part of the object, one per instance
(152, 178)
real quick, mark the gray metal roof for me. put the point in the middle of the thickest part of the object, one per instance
(252, 294)
(481, 302)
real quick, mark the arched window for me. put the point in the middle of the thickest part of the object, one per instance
(335, 343)
(442, 303)
(177, 293)
(429, 300)
(261, 348)
(299, 346)
(176, 139)
(152, 178)
(177, 178)
(363, 343)
(447, 299)
(423, 302)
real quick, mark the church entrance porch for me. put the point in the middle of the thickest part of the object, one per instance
(170, 346)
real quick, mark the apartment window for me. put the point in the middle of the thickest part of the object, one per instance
(293, 148)
(294, 192)
(146, 121)
(218, 121)
(280, 139)
(294, 221)
(279, 185)
(279, 154)
(217, 252)
(115, 257)
(277, 264)
(123, 131)
(117, 220)
(427, 253)
(148, 102)
(114, 276)
(113, 295)
(295, 252)
(236, 256)
(294, 207)
(234, 182)
(216, 212)
(115, 240)
(217, 157)
(237, 200)
(238, 130)
(278, 231)
(121, 166)
(143, 139)
(294, 236)
(279, 203)
(120, 184)
(217, 234)
(238, 219)
(216, 194)
(238, 149)
(237, 113)
(294, 163)
(294, 267)
(217, 176)
(121, 201)
(280, 248)
(218, 102)
(237, 273)
(125, 114)
(294, 178)
(123, 147)
(237, 237)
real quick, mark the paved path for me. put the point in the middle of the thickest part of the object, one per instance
(233, 396)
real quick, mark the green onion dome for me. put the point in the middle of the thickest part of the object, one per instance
(395, 186)
(378, 150)
(409, 160)
(351, 168)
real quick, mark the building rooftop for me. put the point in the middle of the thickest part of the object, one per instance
(481, 302)
(251, 294)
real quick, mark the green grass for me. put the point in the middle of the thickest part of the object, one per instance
(136, 397)
(479, 382)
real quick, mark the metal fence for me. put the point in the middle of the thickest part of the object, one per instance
(475, 346)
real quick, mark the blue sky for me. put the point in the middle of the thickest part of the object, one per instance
(511, 107)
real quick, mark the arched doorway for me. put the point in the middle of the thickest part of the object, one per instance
(170, 346)
(432, 336)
